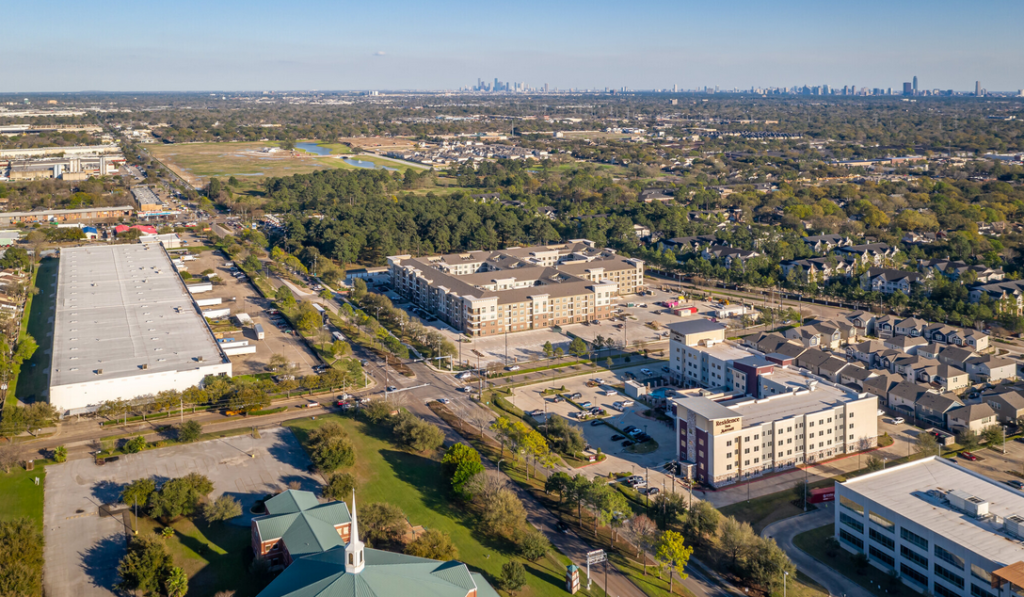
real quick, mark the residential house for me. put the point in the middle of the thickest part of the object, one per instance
(866, 352)
(855, 375)
(806, 335)
(976, 417)
(1007, 294)
(652, 195)
(909, 365)
(826, 242)
(956, 356)
(989, 368)
(888, 281)
(811, 359)
(954, 270)
(870, 254)
(976, 339)
(863, 321)
(911, 326)
(816, 269)
(1008, 404)
(728, 255)
(642, 232)
(905, 344)
(939, 332)
(932, 409)
(832, 368)
(881, 384)
(903, 397)
(690, 244)
(946, 377)
(930, 350)
(885, 326)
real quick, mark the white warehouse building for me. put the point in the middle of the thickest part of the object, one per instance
(942, 528)
(124, 327)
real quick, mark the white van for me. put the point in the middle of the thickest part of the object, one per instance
(622, 404)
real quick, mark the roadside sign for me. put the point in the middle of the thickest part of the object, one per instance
(596, 556)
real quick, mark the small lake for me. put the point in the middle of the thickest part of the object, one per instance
(365, 164)
(313, 148)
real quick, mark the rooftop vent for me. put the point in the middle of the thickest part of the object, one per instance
(971, 505)
(99, 372)
(200, 358)
(145, 366)
(1014, 525)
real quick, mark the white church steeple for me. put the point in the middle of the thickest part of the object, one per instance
(354, 550)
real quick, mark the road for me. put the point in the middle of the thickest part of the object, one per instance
(783, 532)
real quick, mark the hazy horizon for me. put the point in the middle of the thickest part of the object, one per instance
(232, 46)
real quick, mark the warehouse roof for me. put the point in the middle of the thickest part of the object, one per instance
(122, 309)
(915, 491)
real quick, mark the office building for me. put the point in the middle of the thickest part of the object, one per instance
(941, 528)
(772, 418)
(908, 89)
(483, 293)
(66, 216)
(125, 326)
(915, 84)
(977, 88)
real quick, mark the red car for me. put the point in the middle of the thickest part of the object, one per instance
(968, 456)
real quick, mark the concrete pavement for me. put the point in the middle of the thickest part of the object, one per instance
(783, 532)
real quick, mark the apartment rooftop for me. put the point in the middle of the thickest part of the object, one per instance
(818, 397)
(928, 492)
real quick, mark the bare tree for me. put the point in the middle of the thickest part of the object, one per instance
(641, 530)
(8, 457)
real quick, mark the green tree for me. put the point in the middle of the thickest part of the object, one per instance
(433, 544)
(179, 497)
(702, 520)
(417, 434)
(381, 522)
(135, 445)
(548, 349)
(532, 543)
(189, 431)
(330, 448)
(284, 298)
(21, 557)
(358, 290)
(60, 454)
(927, 445)
(736, 539)
(874, 463)
(145, 567)
(223, 508)
(461, 463)
(667, 508)
(513, 576)
(339, 486)
(578, 348)
(968, 439)
(138, 492)
(558, 482)
(674, 554)
(767, 564)
(177, 583)
(339, 348)
(502, 513)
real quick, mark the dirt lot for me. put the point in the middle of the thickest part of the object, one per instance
(248, 300)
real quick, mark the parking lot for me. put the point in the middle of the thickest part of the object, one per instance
(83, 548)
(240, 296)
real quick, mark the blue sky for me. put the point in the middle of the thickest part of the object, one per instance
(148, 45)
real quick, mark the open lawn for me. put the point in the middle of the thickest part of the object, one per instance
(413, 482)
(198, 162)
(20, 496)
(216, 557)
(33, 380)
(336, 148)
(761, 512)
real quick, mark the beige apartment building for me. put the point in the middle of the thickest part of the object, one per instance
(483, 293)
(792, 419)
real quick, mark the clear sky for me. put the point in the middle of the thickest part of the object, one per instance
(191, 45)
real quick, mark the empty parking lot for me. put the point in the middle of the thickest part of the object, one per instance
(83, 549)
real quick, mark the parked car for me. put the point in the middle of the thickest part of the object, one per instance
(627, 443)
(897, 421)
(577, 396)
(1016, 484)
(444, 401)
(596, 422)
(634, 479)
(512, 368)
(598, 380)
(969, 456)
(666, 369)
(629, 428)
(646, 371)
(881, 412)
(617, 437)
(652, 491)
(466, 389)
(391, 389)
(586, 404)
(557, 399)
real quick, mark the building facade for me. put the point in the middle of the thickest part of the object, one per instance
(941, 528)
(484, 293)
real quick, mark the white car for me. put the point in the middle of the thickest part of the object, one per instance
(444, 400)
(645, 371)
(512, 368)
(598, 380)
(880, 412)
(897, 421)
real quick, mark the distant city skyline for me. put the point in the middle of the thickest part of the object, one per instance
(230, 45)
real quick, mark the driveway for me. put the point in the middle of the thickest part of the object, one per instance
(783, 532)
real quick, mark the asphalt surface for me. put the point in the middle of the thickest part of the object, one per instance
(783, 532)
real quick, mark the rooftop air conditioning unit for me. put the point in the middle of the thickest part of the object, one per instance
(99, 372)
(200, 358)
(145, 366)
(1014, 525)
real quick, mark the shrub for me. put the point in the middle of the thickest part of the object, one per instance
(339, 486)
(135, 445)
(433, 544)
(223, 508)
(189, 431)
(513, 576)
(532, 544)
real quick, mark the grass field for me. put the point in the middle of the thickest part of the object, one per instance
(412, 482)
(32, 379)
(215, 557)
(198, 162)
(761, 512)
(336, 148)
(20, 496)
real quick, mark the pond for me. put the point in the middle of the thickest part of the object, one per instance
(365, 164)
(313, 148)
